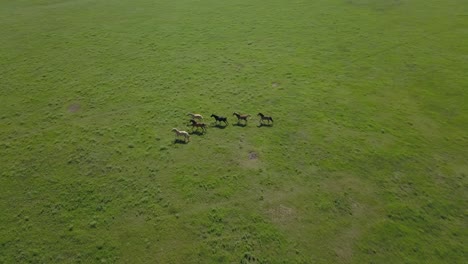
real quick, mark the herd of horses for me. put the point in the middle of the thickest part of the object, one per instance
(196, 122)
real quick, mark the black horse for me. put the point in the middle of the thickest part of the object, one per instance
(264, 117)
(220, 119)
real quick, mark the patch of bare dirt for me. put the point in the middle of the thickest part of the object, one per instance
(252, 161)
(253, 155)
(281, 214)
(73, 108)
(274, 84)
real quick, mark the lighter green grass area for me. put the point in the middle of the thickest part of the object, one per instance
(366, 161)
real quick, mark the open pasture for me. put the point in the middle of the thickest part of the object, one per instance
(366, 161)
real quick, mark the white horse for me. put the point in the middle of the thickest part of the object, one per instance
(196, 116)
(179, 133)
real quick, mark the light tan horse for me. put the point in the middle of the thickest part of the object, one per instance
(180, 133)
(196, 116)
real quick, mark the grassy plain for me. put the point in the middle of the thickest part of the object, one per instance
(366, 161)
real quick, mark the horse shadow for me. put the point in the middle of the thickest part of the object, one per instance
(180, 141)
(265, 125)
(219, 126)
(240, 124)
(197, 132)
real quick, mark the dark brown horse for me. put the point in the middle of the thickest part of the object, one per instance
(241, 117)
(264, 117)
(198, 125)
(220, 119)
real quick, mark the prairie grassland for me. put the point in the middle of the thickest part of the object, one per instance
(365, 163)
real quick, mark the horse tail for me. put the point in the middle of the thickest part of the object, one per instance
(271, 118)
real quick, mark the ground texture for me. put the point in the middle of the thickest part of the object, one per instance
(366, 161)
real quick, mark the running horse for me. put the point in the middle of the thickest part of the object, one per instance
(195, 116)
(220, 119)
(264, 117)
(180, 133)
(198, 125)
(241, 117)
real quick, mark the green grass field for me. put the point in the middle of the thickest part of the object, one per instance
(366, 161)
